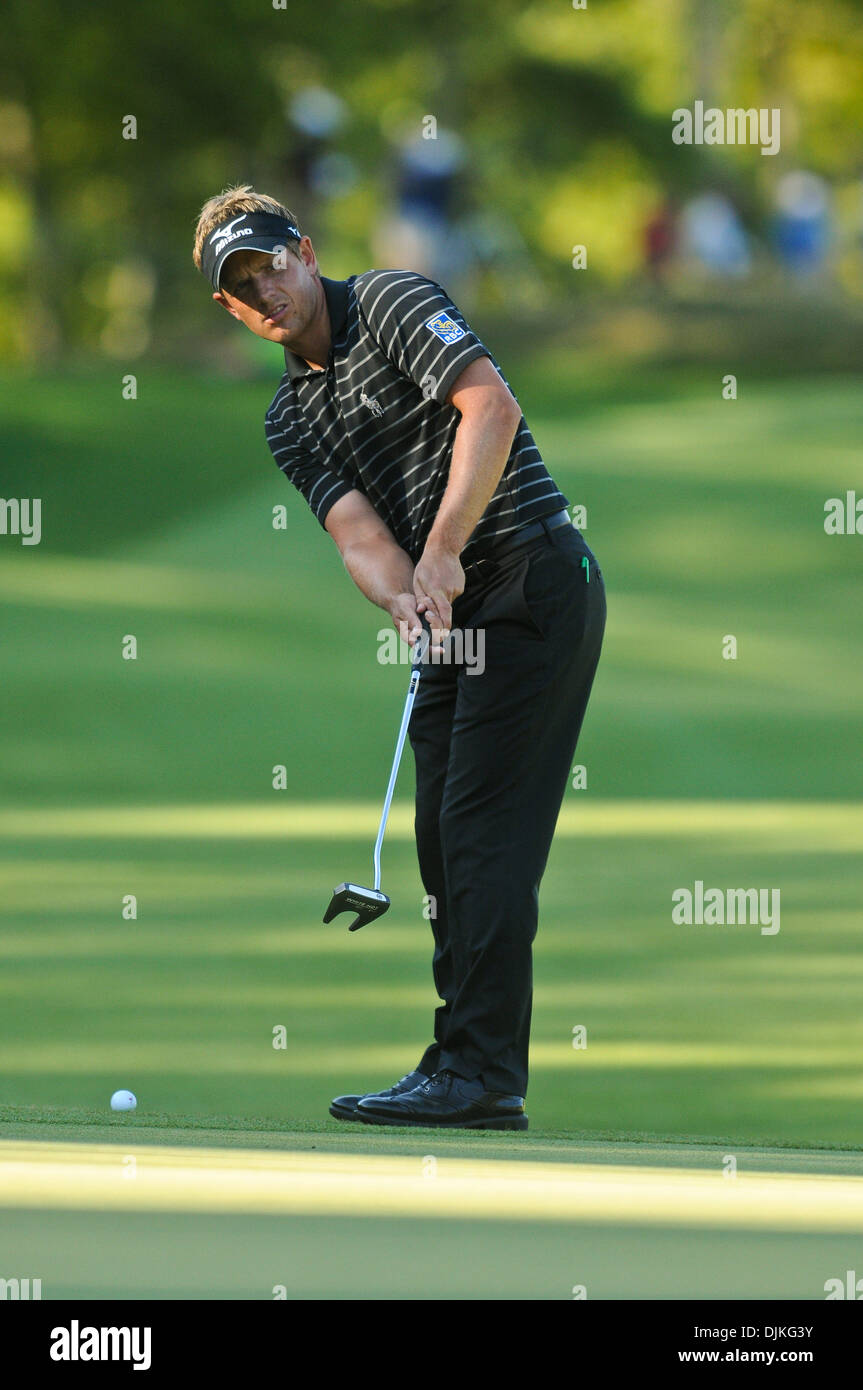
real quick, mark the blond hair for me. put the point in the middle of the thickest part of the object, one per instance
(231, 202)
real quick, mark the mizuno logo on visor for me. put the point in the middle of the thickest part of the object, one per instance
(223, 235)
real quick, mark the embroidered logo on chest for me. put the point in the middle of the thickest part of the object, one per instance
(371, 404)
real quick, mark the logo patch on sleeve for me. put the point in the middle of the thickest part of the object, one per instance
(444, 328)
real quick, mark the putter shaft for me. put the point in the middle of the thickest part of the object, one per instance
(420, 650)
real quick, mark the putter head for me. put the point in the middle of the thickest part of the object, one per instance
(367, 903)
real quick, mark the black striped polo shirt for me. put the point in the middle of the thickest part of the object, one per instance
(376, 418)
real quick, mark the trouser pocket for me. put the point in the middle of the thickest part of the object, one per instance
(562, 589)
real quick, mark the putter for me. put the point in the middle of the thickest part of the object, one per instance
(369, 903)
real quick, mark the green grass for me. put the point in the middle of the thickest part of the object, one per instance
(692, 1031)
(707, 517)
(254, 650)
(150, 1255)
(74, 1124)
(91, 1221)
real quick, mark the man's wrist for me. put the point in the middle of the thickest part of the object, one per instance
(443, 545)
(394, 605)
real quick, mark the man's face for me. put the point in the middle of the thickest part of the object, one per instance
(276, 303)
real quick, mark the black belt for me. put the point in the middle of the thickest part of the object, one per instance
(523, 536)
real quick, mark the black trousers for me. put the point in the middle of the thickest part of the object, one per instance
(493, 757)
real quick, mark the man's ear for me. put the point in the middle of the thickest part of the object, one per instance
(307, 255)
(220, 299)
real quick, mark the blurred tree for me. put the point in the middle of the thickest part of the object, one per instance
(538, 92)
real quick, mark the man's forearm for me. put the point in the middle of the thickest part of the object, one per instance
(380, 570)
(377, 564)
(480, 452)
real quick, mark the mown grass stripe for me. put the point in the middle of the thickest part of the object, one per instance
(803, 825)
(102, 1178)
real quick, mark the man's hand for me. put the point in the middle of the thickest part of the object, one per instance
(405, 610)
(438, 581)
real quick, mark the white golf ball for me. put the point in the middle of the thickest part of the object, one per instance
(123, 1100)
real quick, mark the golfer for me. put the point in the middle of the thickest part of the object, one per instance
(397, 425)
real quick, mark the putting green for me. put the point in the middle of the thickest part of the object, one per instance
(101, 1177)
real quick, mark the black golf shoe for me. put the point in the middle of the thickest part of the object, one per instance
(345, 1107)
(445, 1101)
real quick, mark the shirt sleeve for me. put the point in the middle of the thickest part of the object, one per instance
(419, 328)
(319, 485)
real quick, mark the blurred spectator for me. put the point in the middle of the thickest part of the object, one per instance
(713, 234)
(802, 224)
(315, 116)
(423, 231)
(660, 240)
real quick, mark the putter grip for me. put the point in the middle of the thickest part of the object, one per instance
(422, 643)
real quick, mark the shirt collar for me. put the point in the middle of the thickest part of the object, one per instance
(336, 294)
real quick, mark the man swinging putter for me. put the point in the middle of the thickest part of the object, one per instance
(398, 427)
